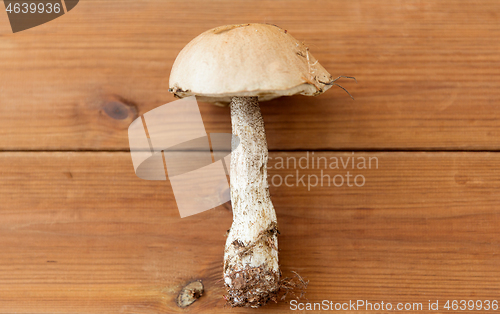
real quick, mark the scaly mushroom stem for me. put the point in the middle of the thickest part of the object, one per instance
(251, 269)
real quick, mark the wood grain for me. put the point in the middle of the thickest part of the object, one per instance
(427, 73)
(80, 233)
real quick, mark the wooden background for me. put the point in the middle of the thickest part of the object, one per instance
(80, 233)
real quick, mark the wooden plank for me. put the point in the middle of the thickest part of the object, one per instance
(80, 233)
(427, 72)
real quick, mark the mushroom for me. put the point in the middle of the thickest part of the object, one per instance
(241, 65)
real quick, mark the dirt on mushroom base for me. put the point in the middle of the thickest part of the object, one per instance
(250, 280)
(251, 287)
(256, 286)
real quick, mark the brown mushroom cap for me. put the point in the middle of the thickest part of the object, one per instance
(246, 60)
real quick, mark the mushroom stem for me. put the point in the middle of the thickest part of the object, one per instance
(251, 269)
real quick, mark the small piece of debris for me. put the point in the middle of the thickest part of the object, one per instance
(189, 294)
